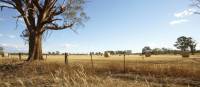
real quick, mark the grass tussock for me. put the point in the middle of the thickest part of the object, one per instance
(160, 70)
(43, 74)
(181, 73)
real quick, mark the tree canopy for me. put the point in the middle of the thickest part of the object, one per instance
(146, 49)
(184, 43)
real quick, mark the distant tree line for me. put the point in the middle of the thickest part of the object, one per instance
(54, 53)
(158, 51)
(128, 52)
(161, 51)
(185, 46)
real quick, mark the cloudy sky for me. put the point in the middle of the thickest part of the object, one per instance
(114, 25)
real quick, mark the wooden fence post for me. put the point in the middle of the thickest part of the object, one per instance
(124, 63)
(92, 61)
(20, 56)
(66, 58)
(46, 56)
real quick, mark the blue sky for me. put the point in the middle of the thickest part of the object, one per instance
(115, 25)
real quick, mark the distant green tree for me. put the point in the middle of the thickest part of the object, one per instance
(57, 52)
(164, 50)
(49, 53)
(106, 54)
(119, 52)
(192, 45)
(156, 51)
(147, 51)
(53, 53)
(111, 52)
(182, 43)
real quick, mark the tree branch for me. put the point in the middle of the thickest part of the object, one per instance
(19, 8)
(36, 3)
(57, 27)
(6, 4)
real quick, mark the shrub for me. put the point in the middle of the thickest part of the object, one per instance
(185, 54)
(148, 54)
(106, 54)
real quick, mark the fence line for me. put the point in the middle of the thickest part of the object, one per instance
(66, 59)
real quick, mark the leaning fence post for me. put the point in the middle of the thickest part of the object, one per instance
(91, 60)
(66, 58)
(124, 63)
(20, 56)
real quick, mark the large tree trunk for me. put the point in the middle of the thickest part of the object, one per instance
(35, 47)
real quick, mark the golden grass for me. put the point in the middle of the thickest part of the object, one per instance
(157, 71)
(57, 75)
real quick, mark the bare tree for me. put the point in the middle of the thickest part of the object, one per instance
(42, 15)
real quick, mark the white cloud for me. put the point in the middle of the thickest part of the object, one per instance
(181, 16)
(185, 13)
(178, 21)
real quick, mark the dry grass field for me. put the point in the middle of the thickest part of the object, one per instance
(156, 71)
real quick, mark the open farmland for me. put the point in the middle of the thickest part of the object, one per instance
(99, 43)
(155, 71)
(130, 59)
(60, 58)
